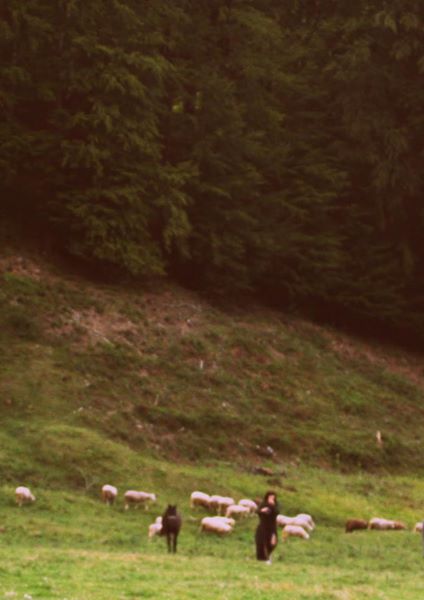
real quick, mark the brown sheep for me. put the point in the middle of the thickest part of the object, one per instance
(354, 524)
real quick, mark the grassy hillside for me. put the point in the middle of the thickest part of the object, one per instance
(95, 378)
(155, 388)
(69, 545)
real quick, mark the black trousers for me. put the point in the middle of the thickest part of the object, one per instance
(265, 544)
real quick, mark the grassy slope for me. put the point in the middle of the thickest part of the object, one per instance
(100, 384)
(90, 376)
(68, 545)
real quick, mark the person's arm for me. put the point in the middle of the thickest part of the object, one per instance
(266, 510)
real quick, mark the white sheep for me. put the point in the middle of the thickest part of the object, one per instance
(250, 504)
(283, 520)
(294, 531)
(136, 498)
(220, 503)
(307, 518)
(155, 528)
(235, 510)
(379, 523)
(227, 520)
(385, 524)
(23, 495)
(219, 525)
(199, 499)
(418, 527)
(109, 493)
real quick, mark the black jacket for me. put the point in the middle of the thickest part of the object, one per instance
(268, 517)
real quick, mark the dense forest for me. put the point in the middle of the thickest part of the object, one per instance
(243, 146)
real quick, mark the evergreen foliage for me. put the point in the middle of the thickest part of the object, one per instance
(238, 144)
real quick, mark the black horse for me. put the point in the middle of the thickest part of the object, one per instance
(171, 525)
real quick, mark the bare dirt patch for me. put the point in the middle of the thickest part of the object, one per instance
(21, 266)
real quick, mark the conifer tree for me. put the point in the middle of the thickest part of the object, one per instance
(242, 144)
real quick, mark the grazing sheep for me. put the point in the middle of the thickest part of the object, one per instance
(418, 528)
(216, 525)
(199, 499)
(303, 522)
(294, 531)
(283, 520)
(227, 520)
(250, 504)
(385, 524)
(378, 523)
(235, 510)
(134, 498)
(220, 503)
(109, 493)
(23, 495)
(307, 518)
(155, 528)
(219, 519)
(354, 524)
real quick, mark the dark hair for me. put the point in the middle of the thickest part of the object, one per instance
(268, 494)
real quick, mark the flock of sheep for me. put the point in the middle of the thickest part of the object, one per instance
(228, 512)
(380, 525)
(131, 497)
(109, 493)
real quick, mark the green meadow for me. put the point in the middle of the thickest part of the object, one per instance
(157, 389)
(70, 545)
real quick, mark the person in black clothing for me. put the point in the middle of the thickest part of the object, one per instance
(266, 532)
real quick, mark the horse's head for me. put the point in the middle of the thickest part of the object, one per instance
(171, 510)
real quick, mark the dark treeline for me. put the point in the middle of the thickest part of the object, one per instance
(268, 146)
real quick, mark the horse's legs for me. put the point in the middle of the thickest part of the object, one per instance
(168, 540)
(175, 542)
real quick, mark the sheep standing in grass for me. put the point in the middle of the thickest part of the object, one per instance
(219, 525)
(23, 495)
(355, 524)
(307, 518)
(237, 511)
(299, 521)
(385, 524)
(135, 498)
(219, 519)
(294, 531)
(380, 524)
(155, 528)
(109, 493)
(199, 499)
(418, 528)
(220, 503)
(250, 504)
